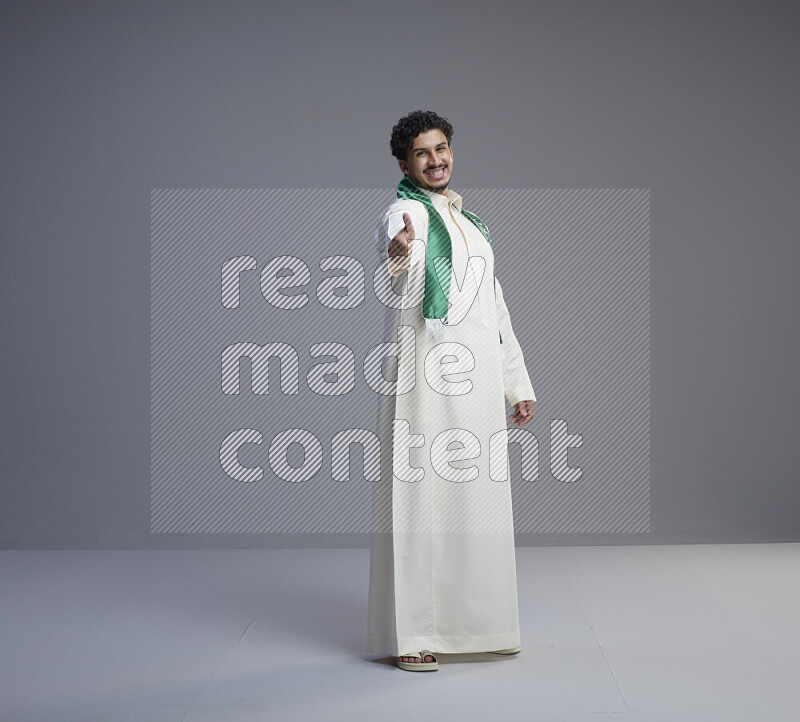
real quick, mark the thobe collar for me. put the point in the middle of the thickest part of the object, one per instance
(441, 202)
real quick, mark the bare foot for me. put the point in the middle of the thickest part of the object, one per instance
(428, 658)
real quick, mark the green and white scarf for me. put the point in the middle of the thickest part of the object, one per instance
(438, 255)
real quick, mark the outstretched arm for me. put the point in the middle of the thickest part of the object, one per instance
(403, 226)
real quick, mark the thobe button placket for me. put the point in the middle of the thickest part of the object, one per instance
(483, 304)
(469, 263)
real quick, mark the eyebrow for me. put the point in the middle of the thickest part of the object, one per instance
(436, 146)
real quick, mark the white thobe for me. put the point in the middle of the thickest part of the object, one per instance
(442, 561)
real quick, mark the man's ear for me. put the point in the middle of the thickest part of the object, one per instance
(403, 166)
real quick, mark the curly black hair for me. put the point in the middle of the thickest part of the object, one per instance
(411, 125)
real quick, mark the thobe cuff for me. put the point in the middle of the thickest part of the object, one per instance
(520, 393)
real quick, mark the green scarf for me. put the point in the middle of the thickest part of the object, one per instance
(439, 253)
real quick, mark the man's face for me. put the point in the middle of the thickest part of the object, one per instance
(429, 161)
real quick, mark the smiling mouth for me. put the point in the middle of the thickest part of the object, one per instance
(436, 172)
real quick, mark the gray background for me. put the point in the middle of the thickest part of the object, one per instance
(104, 101)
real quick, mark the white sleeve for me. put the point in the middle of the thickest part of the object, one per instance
(516, 382)
(391, 225)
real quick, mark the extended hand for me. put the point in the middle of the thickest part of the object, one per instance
(399, 244)
(523, 413)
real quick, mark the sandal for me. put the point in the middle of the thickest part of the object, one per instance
(510, 650)
(421, 666)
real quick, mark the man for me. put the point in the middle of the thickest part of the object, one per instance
(442, 563)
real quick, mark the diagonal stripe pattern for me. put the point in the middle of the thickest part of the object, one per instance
(258, 366)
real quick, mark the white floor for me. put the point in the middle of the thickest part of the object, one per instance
(625, 633)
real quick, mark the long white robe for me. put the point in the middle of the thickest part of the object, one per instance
(442, 560)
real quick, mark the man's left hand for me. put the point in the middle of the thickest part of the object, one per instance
(523, 413)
